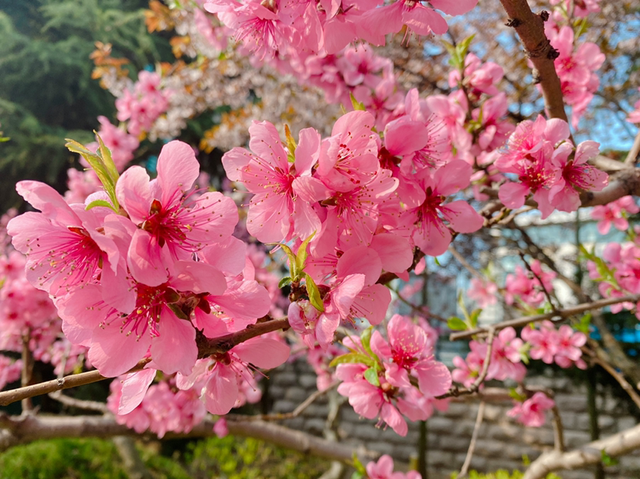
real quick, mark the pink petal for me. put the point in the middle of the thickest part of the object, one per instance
(174, 350)
(178, 169)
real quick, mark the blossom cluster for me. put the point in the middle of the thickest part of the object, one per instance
(531, 412)
(576, 67)
(396, 377)
(383, 469)
(138, 268)
(548, 167)
(280, 28)
(163, 409)
(546, 342)
(143, 103)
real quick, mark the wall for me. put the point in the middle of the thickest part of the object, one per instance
(502, 442)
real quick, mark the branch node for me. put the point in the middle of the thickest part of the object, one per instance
(544, 15)
(513, 23)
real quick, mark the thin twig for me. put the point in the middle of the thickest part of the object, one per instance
(464, 262)
(474, 439)
(558, 430)
(555, 315)
(537, 276)
(27, 372)
(79, 403)
(620, 378)
(633, 152)
(282, 416)
(475, 387)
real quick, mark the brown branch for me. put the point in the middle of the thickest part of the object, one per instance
(530, 29)
(558, 430)
(591, 453)
(79, 403)
(633, 152)
(556, 315)
(619, 378)
(625, 182)
(475, 387)
(29, 428)
(222, 344)
(282, 416)
(206, 347)
(71, 381)
(474, 438)
(27, 372)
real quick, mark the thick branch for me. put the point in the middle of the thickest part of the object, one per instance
(29, 428)
(72, 381)
(616, 445)
(530, 29)
(625, 182)
(561, 313)
(206, 347)
(634, 151)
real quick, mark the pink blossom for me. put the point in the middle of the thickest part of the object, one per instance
(383, 469)
(614, 214)
(482, 292)
(431, 234)
(168, 222)
(283, 192)
(531, 412)
(576, 175)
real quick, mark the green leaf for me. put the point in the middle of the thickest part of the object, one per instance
(607, 460)
(291, 144)
(292, 262)
(456, 324)
(356, 104)
(101, 169)
(583, 325)
(286, 281)
(103, 203)
(358, 466)
(463, 46)
(371, 375)
(352, 358)
(105, 153)
(365, 339)
(473, 318)
(516, 395)
(4, 138)
(314, 293)
(301, 256)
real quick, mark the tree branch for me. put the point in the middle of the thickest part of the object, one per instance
(625, 182)
(591, 453)
(474, 438)
(555, 315)
(530, 29)
(206, 347)
(633, 152)
(29, 428)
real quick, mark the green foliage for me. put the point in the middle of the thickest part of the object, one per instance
(62, 458)
(230, 458)
(226, 458)
(46, 90)
(500, 474)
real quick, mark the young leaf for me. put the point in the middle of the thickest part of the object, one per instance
(286, 281)
(314, 293)
(301, 255)
(356, 104)
(352, 358)
(293, 268)
(103, 203)
(371, 375)
(291, 144)
(456, 324)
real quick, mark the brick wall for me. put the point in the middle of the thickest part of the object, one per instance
(502, 442)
